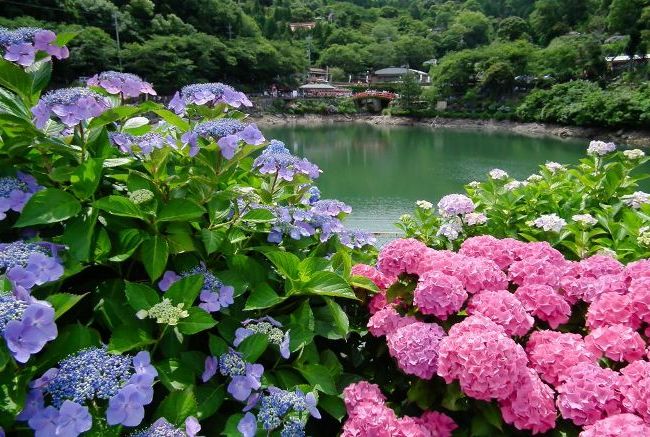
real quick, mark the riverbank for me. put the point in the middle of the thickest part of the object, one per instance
(637, 138)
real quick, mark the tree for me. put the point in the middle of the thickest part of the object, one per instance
(513, 28)
(351, 58)
(409, 91)
(474, 27)
(498, 79)
(92, 51)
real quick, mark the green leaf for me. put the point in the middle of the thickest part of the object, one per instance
(174, 374)
(208, 399)
(112, 115)
(319, 377)
(85, 178)
(62, 302)
(15, 79)
(198, 320)
(78, 234)
(286, 263)
(217, 345)
(302, 324)
(333, 405)
(329, 284)
(178, 405)
(364, 283)
(71, 339)
(262, 296)
(492, 414)
(253, 347)
(259, 216)
(212, 240)
(180, 210)
(140, 296)
(128, 241)
(48, 206)
(172, 119)
(154, 253)
(64, 37)
(422, 394)
(126, 338)
(185, 290)
(336, 318)
(119, 206)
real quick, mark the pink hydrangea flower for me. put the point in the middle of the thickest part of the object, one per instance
(543, 302)
(439, 294)
(487, 363)
(599, 265)
(502, 252)
(618, 425)
(638, 269)
(435, 424)
(480, 274)
(475, 324)
(378, 278)
(362, 391)
(534, 271)
(438, 261)
(377, 302)
(401, 256)
(634, 385)
(612, 309)
(616, 342)
(640, 297)
(503, 308)
(541, 251)
(531, 406)
(604, 284)
(415, 348)
(371, 420)
(552, 354)
(387, 320)
(588, 394)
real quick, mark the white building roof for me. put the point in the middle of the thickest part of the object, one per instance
(396, 71)
(625, 58)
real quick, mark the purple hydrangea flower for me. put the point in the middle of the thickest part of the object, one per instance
(227, 132)
(356, 239)
(192, 426)
(29, 264)
(142, 364)
(22, 45)
(455, 204)
(15, 192)
(282, 406)
(44, 268)
(207, 94)
(126, 84)
(45, 422)
(210, 368)
(232, 364)
(73, 419)
(70, 105)
(212, 301)
(247, 426)
(241, 386)
(267, 326)
(138, 145)
(331, 207)
(26, 326)
(214, 296)
(277, 160)
(293, 428)
(126, 407)
(168, 279)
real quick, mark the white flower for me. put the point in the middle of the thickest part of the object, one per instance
(644, 236)
(514, 185)
(636, 199)
(554, 167)
(634, 154)
(586, 220)
(475, 218)
(498, 174)
(450, 230)
(600, 148)
(474, 184)
(424, 204)
(550, 222)
(534, 178)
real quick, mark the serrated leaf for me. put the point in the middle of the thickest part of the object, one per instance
(63, 302)
(185, 290)
(253, 347)
(126, 338)
(197, 321)
(180, 210)
(178, 405)
(48, 206)
(140, 296)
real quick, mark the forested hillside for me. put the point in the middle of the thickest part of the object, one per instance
(482, 46)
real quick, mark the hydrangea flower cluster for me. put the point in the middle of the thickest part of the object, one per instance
(277, 408)
(585, 220)
(125, 84)
(165, 313)
(207, 94)
(70, 106)
(29, 264)
(26, 325)
(455, 205)
(498, 174)
(278, 161)
(634, 154)
(23, 44)
(516, 287)
(267, 326)
(600, 148)
(245, 378)
(138, 145)
(91, 374)
(356, 238)
(550, 223)
(227, 132)
(369, 416)
(15, 192)
(162, 428)
(214, 296)
(636, 199)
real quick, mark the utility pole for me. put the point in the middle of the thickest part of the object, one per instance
(117, 38)
(309, 49)
(229, 31)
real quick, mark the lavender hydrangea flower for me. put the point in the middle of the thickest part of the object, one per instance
(356, 239)
(162, 428)
(210, 368)
(450, 230)
(241, 386)
(126, 407)
(232, 364)
(267, 326)
(278, 407)
(26, 326)
(227, 132)
(71, 419)
(498, 174)
(247, 426)
(298, 223)
(29, 264)
(126, 84)
(331, 207)
(70, 105)
(600, 148)
(550, 223)
(214, 296)
(138, 145)
(207, 94)
(636, 199)
(475, 219)
(22, 45)
(454, 205)
(15, 192)
(277, 160)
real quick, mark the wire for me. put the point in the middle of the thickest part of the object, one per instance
(32, 6)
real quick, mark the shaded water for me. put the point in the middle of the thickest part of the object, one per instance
(382, 171)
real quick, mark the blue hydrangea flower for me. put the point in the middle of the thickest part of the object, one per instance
(210, 368)
(277, 160)
(70, 105)
(331, 207)
(26, 326)
(15, 192)
(247, 426)
(162, 428)
(227, 132)
(241, 386)
(21, 45)
(356, 239)
(232, 364)
(71, 419)
(138, 145)
(293, 428)
(207, 94)
(214, 295)
(126, 84)
(29, 264)
(267, 326)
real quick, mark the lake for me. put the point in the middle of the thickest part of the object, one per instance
(382, 171)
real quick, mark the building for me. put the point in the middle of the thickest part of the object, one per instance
(620, 62)
(318, 75)
(394, 74)
(323, 90)
(309, 25)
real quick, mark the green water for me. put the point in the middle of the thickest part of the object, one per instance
(382, 171)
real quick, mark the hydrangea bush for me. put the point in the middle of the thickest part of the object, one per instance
(163, 269)
(580, 209)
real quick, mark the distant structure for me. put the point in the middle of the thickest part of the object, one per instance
(430, 63)
(308, 25)
(318, 75)
(395, 74)
(620, 62)
(323, 90)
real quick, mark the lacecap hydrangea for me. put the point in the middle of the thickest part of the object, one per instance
(69, 106)
(15, 191)
(214, 295)
(24, 44)
(125, 84)
(207, 94)
(227, 132)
